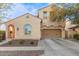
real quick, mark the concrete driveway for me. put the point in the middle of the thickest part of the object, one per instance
(59, 47)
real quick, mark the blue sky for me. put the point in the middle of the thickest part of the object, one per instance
(22, 8)
(19, 9)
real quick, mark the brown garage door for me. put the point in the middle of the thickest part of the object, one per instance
(51, 33)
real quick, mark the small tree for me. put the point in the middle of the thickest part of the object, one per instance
(76, 20)
(4, 7)
(59, 13)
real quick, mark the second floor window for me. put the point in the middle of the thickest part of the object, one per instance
(45, 15)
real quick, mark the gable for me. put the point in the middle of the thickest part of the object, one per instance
(48, 8)
(27, 16)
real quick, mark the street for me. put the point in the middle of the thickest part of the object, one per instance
(59, 47)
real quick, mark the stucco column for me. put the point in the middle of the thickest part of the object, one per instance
(63, 33)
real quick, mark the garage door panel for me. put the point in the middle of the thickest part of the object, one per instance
(51, 33)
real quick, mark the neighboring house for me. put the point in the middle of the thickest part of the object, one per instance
(73, 30)
(68, 23)
(70, 29)
(50, 29)
(25, 27)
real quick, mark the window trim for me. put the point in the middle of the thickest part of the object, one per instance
(45, 14)
(26, 30)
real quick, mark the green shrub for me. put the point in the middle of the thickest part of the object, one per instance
(76, 36)
(2, 31)
(10, 43)
(2, 35)
(22, 41)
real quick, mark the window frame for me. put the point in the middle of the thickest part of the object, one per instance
(45, 14)
(27, 29)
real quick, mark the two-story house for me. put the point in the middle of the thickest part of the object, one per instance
(32, 28)
(50, 29)
(71, 29)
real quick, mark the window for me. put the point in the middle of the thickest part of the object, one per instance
(27, 29)
(45, 15)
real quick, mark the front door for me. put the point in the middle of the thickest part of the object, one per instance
(11, 31)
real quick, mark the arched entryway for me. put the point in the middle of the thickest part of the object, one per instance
(11, 31)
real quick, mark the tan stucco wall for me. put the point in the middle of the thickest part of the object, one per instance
(47, 21)
(67, 23)
(20, 22)
(40, 12)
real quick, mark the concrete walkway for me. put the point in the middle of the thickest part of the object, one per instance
(21, 51)
(54, 47)
(4, 42)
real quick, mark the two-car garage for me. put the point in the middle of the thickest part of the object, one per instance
(51, 33)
